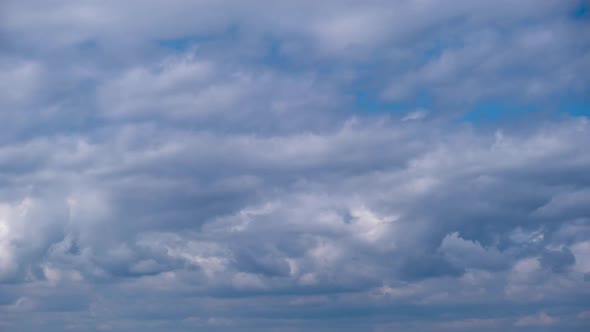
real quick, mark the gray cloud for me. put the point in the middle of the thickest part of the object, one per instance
(200, 165)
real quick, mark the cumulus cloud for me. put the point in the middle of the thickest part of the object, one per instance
(293, 166)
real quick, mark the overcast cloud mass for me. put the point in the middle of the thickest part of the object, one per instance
(411, 165)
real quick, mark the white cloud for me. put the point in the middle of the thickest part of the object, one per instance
(181, 164)
(540, 319)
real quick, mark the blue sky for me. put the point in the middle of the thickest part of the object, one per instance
(411, 165)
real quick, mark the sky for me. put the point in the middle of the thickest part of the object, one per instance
(335, 165)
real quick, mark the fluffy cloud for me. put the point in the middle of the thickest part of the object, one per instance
(220, 165)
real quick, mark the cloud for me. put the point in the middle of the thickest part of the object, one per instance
(187, 86)
(207, 165)
(541, 319)
(558, 260)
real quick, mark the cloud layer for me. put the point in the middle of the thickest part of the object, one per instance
(290, 166)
